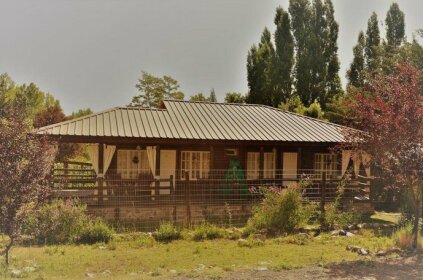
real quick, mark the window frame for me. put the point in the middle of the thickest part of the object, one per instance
(202, 164)
(130, 170)
(321, 164)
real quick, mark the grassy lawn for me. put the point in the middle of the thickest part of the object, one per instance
(138, 256)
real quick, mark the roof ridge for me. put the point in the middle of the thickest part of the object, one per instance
(210, 102)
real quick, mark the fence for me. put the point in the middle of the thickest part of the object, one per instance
(220, 196)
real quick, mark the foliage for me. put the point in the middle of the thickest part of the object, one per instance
(153, 90)
(167, 232)
(49, 115)
(202, 98)
(395, 26)
(206, 231)
(355, 74)
(58, 222)
(403, 237)
(281, 211)
(80, 113)
(295, 105)
(234, 97)
(212, 96)
(390, 112)
(372, 43)
(25, 162)
(95, 232)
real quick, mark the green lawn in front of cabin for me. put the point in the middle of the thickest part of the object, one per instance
(138, 256)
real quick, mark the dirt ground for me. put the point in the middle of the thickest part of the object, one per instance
(407, 268)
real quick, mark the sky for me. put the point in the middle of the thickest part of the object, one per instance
(90, 53)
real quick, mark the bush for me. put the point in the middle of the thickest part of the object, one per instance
(57, 222)
(95, 232)
(403, 237)
(336, 218)
(167, 232)
(207, 232)
(281, 211)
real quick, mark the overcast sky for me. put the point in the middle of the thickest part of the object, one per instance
(89, 53)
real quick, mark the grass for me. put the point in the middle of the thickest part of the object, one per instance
(385, 218)
(141, 257)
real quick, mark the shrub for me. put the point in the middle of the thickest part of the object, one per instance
(281, 211)
(403, 237)
(57, 222)
(336, 218)
(95, 232)
(167, 232)
(207, 231)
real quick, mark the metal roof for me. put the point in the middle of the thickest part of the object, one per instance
(200, 121)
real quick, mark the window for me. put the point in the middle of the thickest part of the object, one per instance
(269, 165)
(130, 163)
(196, 163)
(326, 163)
(253, 165)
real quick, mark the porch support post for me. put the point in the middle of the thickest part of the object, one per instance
(261, 163)
(212, 173)
(299, 157)
(100, 176)
(157, 175)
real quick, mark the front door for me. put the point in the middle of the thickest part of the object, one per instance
(167, 168)
(290, 171)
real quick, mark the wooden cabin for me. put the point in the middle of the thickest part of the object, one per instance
(216, 153)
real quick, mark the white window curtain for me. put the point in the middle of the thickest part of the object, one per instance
(366, 162)
(108, 153)
(93, 153)
(151, 155)
(346, 156)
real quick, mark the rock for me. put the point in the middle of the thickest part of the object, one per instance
(242, 242)
(263, 263)
(382, 253)
(106, 272)
(102, 247)
(353, 248)
(363, 252)
(349, 234)
(16, 273)
(261, 269)
(200, 267)
(89, 274)
(173, 271)
(29, 269)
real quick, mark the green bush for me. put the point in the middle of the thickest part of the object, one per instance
(95, 232)
(336, 218)
(280, 212)
(207, 231)
(58, 222)
(167, 232)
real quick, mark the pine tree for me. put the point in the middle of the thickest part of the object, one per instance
(395, 26)
(252, 75)
(300, 12)
(284, 57)
(372, 43)
(355, 74)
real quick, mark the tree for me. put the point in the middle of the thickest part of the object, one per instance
(372, 43)
(50, 115)
(301, 15)
(395, 26)
(198, 97)
(284, 57)
(260, 63)
(80, 113)
(155, 89)
(212, 97)
(234, 97)
(356, 72)
(333, 81)
(25, 162)
(389, 111)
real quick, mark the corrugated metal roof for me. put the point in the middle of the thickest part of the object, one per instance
(200, 121)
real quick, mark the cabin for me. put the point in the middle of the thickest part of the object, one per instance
(196, 161)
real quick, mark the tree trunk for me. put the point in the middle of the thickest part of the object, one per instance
(6, 252)
(417, 215)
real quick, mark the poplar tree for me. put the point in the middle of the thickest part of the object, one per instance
(284, 57)
(301, 13)
(395, 26)
(372, 43)
(355, 74)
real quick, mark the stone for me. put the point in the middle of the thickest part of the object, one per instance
(89, 274)
(106, 272)
(102, 247)
(16, 273)
(173, 271)
(242, 242)
(349, 234)
(29, 269)
(363, 252)
(261, 269)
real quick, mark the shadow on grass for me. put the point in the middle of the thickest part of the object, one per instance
(405, 268)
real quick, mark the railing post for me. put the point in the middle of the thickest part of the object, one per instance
(100, 177)
(172, 197)
(323, 202)
(188, 198)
